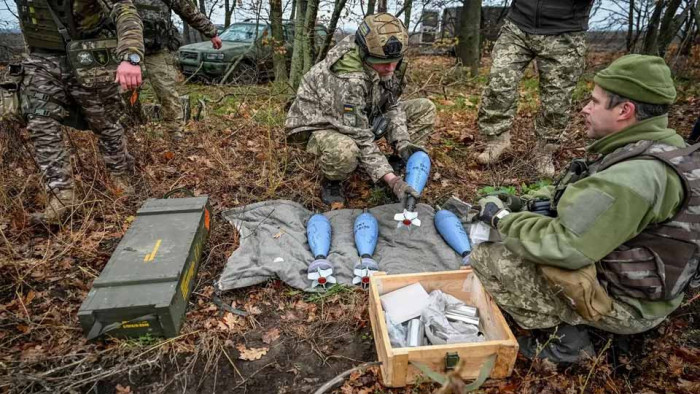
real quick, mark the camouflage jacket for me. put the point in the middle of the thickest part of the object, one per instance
(344, 101)
(156, 16)
(188, 11)
(90, 19)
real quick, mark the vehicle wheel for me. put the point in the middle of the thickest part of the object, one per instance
(245, 74)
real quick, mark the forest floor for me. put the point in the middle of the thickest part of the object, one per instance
(291, 342)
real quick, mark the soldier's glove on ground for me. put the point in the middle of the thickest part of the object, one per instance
(402, 190)
(405, 149)
(492, 210)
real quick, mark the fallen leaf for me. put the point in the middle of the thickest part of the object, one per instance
(168, 155)
(271, 336)
(278, 235)
(252, 353)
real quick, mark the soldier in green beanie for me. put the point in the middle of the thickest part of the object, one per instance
(616, 246)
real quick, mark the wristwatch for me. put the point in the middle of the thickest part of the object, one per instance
(133, 58)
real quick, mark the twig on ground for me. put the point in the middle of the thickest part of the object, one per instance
(341, 378)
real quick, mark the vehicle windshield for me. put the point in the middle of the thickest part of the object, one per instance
(244, 32)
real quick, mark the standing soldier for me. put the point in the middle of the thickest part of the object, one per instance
(160, 37)
(552, 32)
(350, 99)
(74, 48)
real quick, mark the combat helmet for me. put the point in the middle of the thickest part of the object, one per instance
(382, 38)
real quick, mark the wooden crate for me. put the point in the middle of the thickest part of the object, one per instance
(396, 368)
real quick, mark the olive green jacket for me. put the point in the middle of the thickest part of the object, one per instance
(599, 213)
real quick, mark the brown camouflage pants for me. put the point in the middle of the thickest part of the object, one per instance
(162, 74)
(339, 155)
(519, 289)
(560, 62)
(49, 91)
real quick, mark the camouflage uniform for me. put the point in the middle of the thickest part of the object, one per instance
(159, 63)
(333, 111)
(50, 91)
(518, 288)
(560, 62)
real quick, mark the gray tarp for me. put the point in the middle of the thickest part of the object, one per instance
(273, 244)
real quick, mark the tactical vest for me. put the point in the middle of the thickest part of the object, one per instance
(38, 26)
(157, 26)
(662, 260)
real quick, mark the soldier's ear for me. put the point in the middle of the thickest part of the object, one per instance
(627, 110)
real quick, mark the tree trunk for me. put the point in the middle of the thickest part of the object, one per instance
(630, 27)
(407, 13)
(339, 6)
(652, 35)
(229, 6)
(297, 65)
(310, 34)
(278, 57)
(468, 38)
(370, 7)
(381, 6)
(669, 27)
(186, 33)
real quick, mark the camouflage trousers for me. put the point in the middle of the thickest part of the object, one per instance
(560, 62)
(338, 153)
(519, 288)
(49, 93)
(162, 74)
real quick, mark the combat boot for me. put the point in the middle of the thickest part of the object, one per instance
(544, 159)
(122, 184)
(59, 206)
(176, 130)
(561, 344)
(332, 192)
(494, 148)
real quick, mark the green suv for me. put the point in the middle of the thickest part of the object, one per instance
(245, 56)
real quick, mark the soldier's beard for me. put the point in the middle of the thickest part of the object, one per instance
(387, 77)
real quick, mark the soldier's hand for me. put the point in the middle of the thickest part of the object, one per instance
(402, 189)
(216, 42)
(128, 76)
(405, 149)
(492, 210)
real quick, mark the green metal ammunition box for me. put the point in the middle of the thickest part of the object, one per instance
(146, 283)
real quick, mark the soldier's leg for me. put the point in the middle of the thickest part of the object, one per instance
(499, 102)
(100, 106)
(162, 75)
(560, 62)
(510, 56)
(44, 103)
(420, 118)
(519, 289)
(337, 153)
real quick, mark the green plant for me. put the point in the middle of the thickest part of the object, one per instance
(486, 190)
(533, 187)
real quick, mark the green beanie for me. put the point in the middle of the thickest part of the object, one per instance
(642, 78)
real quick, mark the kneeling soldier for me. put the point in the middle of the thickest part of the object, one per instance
(351, 98)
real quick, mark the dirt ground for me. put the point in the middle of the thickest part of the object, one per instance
(291, 342)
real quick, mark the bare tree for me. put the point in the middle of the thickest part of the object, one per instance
(468, 39)
(297, 66)
(370, 6)
(339, 6)
(229, 6)
(278, 56)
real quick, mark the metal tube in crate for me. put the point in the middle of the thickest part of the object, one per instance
(464, 310)
(415, 333)
(454, 316)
